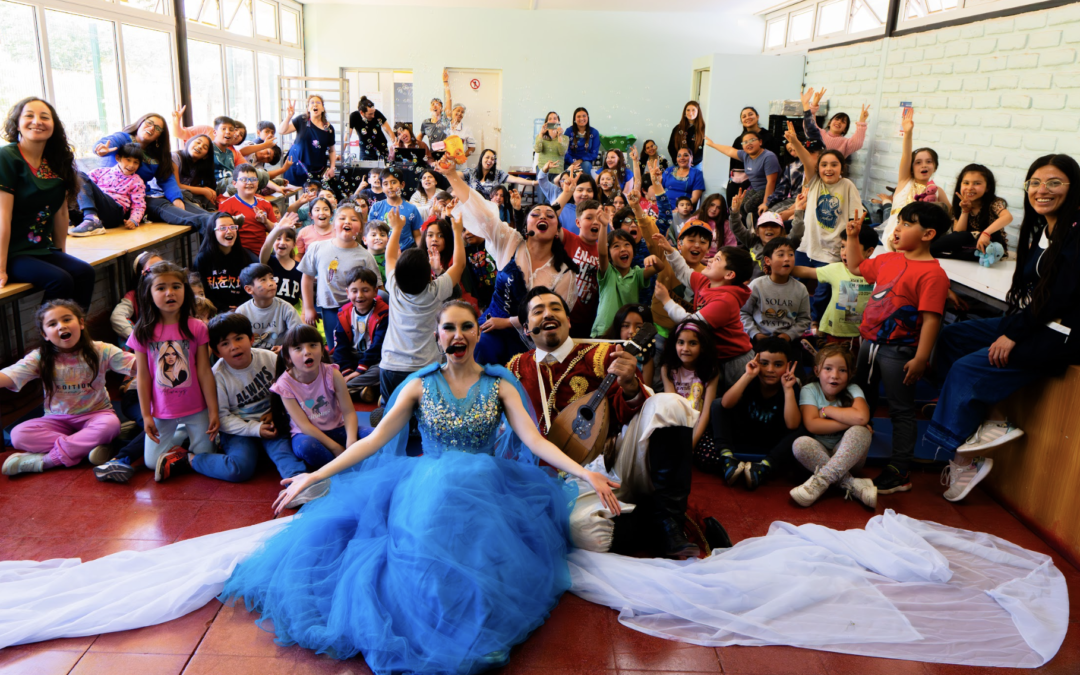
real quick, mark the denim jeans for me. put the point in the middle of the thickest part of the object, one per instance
(241, 455)
(819, 301)
(92, 197)
(887, 367)
(970, 384)
(313, 452)
(728, 434)
(330, 324)
(61, 276)
(389, 381)
(161, 210)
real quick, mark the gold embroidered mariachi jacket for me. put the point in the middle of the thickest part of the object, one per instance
(578, 375)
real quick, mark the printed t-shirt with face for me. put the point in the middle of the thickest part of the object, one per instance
(903, 290)
(330, 265)
(588, 285)
(850, 293)
(78, 391)
(318, 399)
(171, 358)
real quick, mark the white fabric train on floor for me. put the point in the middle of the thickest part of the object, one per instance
(900, 588)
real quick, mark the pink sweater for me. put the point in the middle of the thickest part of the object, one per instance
(127, 191)
(844, 144)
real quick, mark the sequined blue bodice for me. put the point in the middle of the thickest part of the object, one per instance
(469, 424)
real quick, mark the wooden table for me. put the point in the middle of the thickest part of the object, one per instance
(10, 295)
(131, 241)
(989, 284)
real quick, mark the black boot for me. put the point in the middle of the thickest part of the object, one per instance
(670, 462)
(715, 534)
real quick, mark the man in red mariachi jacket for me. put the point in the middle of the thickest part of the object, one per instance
(653, 458)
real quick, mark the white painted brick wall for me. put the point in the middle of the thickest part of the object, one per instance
(1000, 92)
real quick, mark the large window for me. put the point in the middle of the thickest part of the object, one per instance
(269, 69)
(148, 90)
(82, 53)
(240, 73)
(105, 63)
(868, 15)
(207, 92)
(832, 17)
(20, 67)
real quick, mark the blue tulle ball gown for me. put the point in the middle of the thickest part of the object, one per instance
(432, 564)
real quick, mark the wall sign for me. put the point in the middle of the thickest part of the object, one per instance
(474, 83)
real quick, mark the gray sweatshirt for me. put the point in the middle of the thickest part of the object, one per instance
(269, 325)
(244, 395)
(774, 309)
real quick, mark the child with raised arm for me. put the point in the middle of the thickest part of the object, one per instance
(620, 281)
(900, 324)
(719, 293)
(277, 253)
(915, 182)
(835, 412)
(415, 299)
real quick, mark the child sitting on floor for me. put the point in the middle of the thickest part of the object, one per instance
(836, 414)
(322, 421)
(270, 316)
(691, 370)
(126, 312)
(257, 212)
(176, 385)
(220, 260)
(758, 414)
(78, 415)
(113, 196)
(777, 306)
(362, 325)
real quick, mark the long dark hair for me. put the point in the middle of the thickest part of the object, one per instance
(703, 212)
(684, 127)
(364, 105)
(447, 232)
(584, 178)
(559, 257)
(159, 150)
(57, 154)
(707, 365)
(149, 314)
(614, 331)
(197, 172)
(620, 168)
(1034, 296)
(210, 249)
(749, 107)
(48, 351)
(985, 216)
(481, 173)
(588, 125)
(839, 157)
(840, 116)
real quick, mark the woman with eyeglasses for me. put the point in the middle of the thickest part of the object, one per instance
(37, 177)
(750, 120)
(164, 200)
(983, 361)
(762, 169)
(220, 260)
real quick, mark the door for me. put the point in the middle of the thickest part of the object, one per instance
(481, 93)
(701, 88)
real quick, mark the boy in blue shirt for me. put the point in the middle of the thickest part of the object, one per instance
(392, 185)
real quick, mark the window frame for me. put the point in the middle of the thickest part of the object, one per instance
(817, 34)
(812, 11)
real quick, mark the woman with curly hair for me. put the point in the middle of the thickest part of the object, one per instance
(37, 177)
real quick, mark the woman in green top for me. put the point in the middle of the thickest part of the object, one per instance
(551, 145)
(37, 175)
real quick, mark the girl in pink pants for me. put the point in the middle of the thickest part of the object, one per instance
(78, 414)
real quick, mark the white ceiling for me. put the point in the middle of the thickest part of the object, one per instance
(749, 7)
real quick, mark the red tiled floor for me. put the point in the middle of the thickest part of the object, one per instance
(66, 513)
(130, 664)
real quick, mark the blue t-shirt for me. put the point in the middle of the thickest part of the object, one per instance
(680, 187)
(568, 218)
(811, 394)
(758, 170)
(413, 221)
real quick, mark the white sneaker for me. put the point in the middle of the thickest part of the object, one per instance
(24, 462)
(310, 494)
(961, 479)
(990, 435)
(101, 454)
(808, 493)
(862, 489)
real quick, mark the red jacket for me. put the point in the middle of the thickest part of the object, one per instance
(345, 355)
(721, 308)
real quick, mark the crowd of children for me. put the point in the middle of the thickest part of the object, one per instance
(776, 319)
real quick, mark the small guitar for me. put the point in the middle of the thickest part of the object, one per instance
(581, 429)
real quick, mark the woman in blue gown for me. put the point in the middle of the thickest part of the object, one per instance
(435, 564)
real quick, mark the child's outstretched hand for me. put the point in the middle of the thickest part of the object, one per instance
(653, 261)
(456, 222)
(633, 153)
(818, 95)
(907, 123)
(293, 486)
(790, 136)
(435, 261)
(661, 293)
(663, 242)
(515, 199)
(736, 201)
(788, 379)
(395, 220)
(753, 367)
(865, 114)
(290, 219)
(800, 199)
(854, 226)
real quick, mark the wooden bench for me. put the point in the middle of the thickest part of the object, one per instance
(1038, 475)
